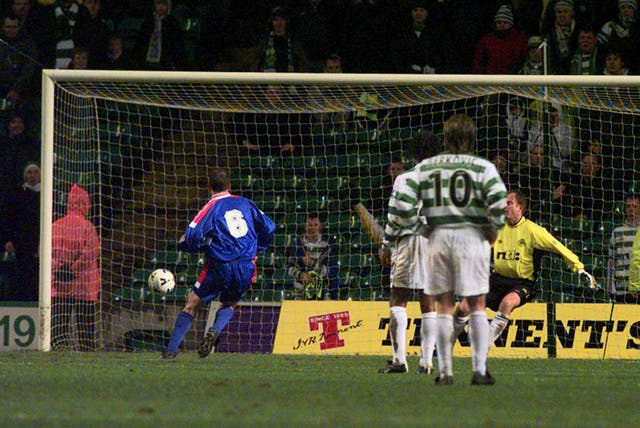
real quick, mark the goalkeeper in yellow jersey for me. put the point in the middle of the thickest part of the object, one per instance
(516, 254)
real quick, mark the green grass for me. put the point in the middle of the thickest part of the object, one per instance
(254, 390)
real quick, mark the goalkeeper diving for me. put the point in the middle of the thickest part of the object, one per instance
(516, 257)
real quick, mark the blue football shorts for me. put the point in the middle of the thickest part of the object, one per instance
(225, 281)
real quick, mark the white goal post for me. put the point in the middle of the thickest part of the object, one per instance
(72, 101)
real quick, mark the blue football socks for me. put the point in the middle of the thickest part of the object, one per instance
(183, 322)
(222, 318)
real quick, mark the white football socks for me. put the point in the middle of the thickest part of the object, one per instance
(479, 338)
(443, 340)
(428, 334)
(398, 333)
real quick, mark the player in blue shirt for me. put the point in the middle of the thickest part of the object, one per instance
(230, 230)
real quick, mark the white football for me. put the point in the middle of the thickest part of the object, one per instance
(162, 281)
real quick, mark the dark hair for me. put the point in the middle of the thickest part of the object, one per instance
(424, 145)
(12, 16)
(315, 214)
(219, 179)
(459, 133)
(587, 28)
(333, 57)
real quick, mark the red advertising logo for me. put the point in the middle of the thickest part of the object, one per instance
(329, 327)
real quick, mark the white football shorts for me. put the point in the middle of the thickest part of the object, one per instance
(458, 262)
(409, 262)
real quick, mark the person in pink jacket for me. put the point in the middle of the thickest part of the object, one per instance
(75, 249)
(502, 50)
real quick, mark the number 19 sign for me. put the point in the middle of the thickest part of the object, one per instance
(19, 327)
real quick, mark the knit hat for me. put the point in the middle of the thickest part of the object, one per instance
(29, 166)
(505, 14)
(632, 3)
(278, 11)
(568, 4)
(535, 41)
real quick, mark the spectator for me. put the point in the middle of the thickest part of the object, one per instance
(23, 234)
(273, 134)
(67, 13)
(421, 47)
(614, 63)
(378, 197)
(623, 31)
(500, 160)
(528, 15)
(75, 288)
(313, 263)
(556, 134)
(279, 51)
(561, 37)
(534, 61)
(18, 61)
(160, 42)
(17, 150)
(332, 64)
(79, 59)
(318, 31)
(37, 22)
(335, 122)
(538, 181)
(517, 130)
(586, 60)
(634, 272)
(590, 194)
(116, 59)
(92, 32)
(500, 51)
(620, 245)
(466, 21)
(368, 27)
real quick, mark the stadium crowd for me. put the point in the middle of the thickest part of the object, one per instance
(582, 37)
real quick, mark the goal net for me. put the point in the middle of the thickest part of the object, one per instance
(302, 145)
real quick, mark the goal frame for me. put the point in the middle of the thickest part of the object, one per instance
(50, 77)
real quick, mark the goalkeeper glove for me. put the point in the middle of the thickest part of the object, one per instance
(588, 280)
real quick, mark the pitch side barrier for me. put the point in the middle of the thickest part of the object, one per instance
(537, 330)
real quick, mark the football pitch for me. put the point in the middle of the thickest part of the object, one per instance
(262, 390)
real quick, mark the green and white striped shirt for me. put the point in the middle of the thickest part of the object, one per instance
(620, 257)
(456, 190)
(393, 231)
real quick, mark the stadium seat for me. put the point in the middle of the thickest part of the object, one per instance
(256, 163)
(281, 279)
(315, 202)
(342, 222)
(282, 241)
(129, 293)
(273, 203)
(243, 183)
(173, 260)
(139, 277)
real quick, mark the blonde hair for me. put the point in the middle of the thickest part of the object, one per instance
(459, 133)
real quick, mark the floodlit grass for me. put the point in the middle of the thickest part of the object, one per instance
(248, 390)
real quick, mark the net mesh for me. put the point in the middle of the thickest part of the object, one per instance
(142, 150)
